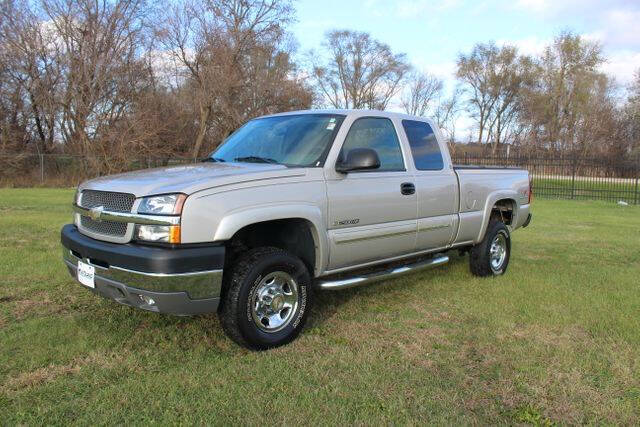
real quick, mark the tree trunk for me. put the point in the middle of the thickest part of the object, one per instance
(204, 118)
(496, 138)
(481, 124)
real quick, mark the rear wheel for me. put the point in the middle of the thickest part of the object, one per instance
(491, 256)
(267, 298)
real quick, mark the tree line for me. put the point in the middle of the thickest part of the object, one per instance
(112, 80)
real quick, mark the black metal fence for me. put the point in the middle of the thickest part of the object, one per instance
(572, 177)
(553, 177)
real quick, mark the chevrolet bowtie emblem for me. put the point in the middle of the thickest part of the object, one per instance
(96, 213)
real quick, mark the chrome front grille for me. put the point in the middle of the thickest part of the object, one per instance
(109, 228)
(110, 201)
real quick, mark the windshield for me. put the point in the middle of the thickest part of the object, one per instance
(293, 140)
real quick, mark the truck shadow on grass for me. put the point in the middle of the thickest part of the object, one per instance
(330, 308)
(384, 295)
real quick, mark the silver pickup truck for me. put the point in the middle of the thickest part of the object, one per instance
(290, 204)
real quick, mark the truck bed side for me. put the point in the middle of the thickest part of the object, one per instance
(484, 190)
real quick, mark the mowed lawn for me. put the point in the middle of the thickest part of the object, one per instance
(557, 339)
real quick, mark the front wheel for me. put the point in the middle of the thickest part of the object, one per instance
(266, 300)
(491, 256)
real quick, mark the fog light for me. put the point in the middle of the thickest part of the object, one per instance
(147, 300)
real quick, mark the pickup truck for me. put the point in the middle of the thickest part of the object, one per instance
(290, 204)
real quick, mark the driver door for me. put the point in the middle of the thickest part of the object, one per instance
(372, 214)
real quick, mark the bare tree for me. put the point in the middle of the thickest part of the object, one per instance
(88, 77)
(98, 47)
(359, 72)
(446, 115)
(492, 79)
(31, 75)
(512, 73)
(634, 89)
(568, 82)
(421, 92)
(476, 72)
(236, 58)
(631, 118)
(15, 135)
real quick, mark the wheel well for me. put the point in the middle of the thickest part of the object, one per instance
(292, 234)
(503, 211)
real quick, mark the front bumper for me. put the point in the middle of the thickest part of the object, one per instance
(182, 281)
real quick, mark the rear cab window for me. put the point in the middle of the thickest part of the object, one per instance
(424, 145)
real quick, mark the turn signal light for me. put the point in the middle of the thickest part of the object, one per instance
(174, 234)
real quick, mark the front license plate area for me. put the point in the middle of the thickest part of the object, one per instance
(86, 274)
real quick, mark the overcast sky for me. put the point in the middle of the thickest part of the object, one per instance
(433, 32)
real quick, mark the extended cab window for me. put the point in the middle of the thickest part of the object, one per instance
(424, 145)
(379, 134)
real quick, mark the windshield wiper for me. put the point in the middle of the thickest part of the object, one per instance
(212, 159)
(255, 159)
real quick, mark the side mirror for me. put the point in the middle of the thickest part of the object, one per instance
(358, 159)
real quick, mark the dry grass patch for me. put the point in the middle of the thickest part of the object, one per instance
(39, 376)
(50, 373)
(565, 337)
(24, 306)
(39, 303)
(531, 256)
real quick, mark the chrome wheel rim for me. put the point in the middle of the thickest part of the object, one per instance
(275, 301)
(498, 251)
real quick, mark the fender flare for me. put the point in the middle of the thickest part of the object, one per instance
(236, 220)
(490, 202)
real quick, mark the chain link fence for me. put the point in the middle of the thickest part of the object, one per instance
(553, 177)
(57, 170)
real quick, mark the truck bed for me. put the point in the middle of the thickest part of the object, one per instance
(480, 187)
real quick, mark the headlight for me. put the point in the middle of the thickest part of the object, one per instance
(167, 204)
(158, 233)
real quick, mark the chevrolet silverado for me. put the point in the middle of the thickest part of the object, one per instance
(290, 204)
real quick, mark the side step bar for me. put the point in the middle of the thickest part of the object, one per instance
(349, 282)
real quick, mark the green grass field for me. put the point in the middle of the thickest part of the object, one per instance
(557, 339)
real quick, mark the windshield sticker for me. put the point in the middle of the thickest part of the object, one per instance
(332, 124)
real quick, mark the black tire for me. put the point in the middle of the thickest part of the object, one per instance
(480, 255)
(241, 285)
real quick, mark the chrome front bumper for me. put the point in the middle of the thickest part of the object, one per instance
(166, 291)
(183, 281)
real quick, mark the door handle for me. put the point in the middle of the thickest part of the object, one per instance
(407, 188)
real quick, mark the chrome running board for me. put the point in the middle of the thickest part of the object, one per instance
(348, 282)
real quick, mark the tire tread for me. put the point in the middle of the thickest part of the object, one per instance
(479, 254)
(232, 284)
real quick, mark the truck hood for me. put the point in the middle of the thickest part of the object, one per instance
(189, 179)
